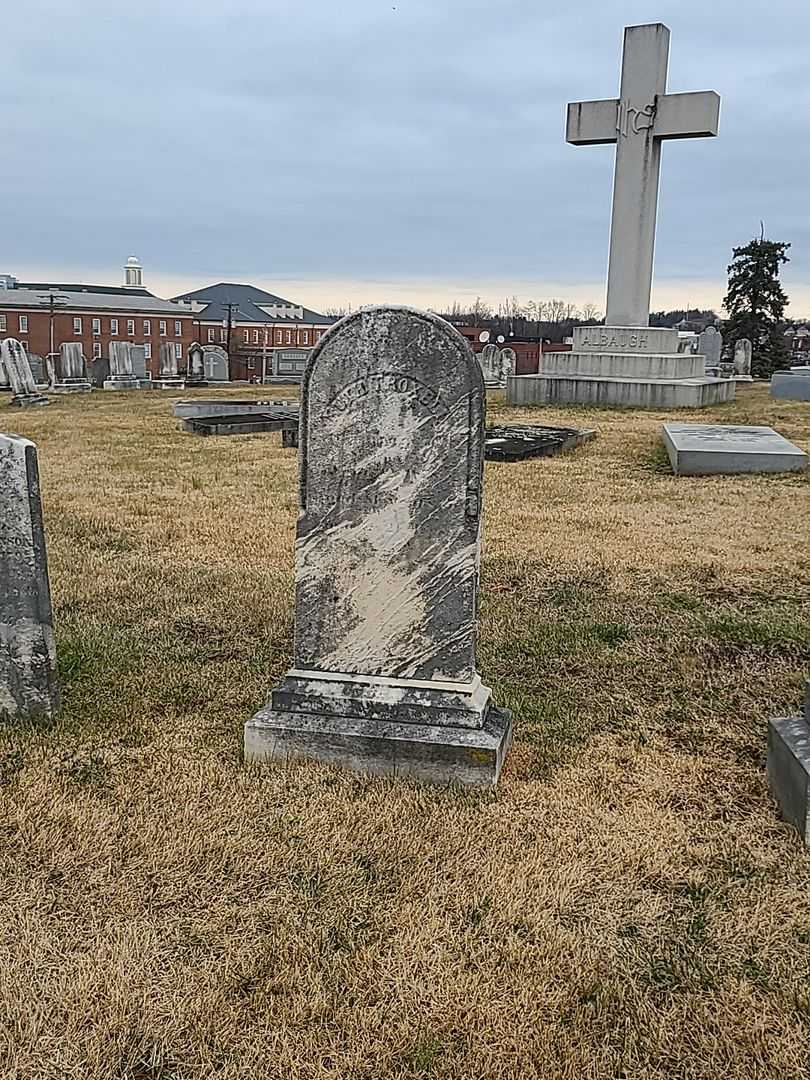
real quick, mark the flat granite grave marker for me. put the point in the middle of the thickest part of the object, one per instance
(15, 362)
(387, 554)
(793, 385)
(788, 767)
(705, 449)
(28, 686)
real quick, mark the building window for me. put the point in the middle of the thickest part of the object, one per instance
(178, 328)
(222, 335)
(305, 337)
(250, 364)
(2, 322)
(130, 326)
(289, 337)
(255, 337)
(23, 324)
(211, 333)
(278, 337)
(178, 350)
(113, 327)
(162, 326)
(77, 326)
(96, 350)
(147, 350)
(247, 336)
(147, 327)
(96, 327)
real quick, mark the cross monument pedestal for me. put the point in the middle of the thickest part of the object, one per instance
(627, 362)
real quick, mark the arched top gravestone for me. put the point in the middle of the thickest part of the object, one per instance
(392, 422)
(386, 559)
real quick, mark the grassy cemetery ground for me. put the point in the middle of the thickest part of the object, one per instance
(626, 904)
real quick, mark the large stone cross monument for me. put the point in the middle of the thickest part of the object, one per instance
(627, 363)
(636, 122)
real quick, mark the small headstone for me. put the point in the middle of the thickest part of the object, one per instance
(215, 361)
(793, 385)
(15, 363)
(168, 377)
(122, 367)
(743, 351)
(788, 767)
(711, 346)
(70, 373)
(706, 449)
(28, 685)
(196, 365)
(387, 555)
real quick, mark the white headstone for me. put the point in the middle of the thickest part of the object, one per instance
(743, 352)
(711, 346)
(23, 385)
(70, 374)
(28, 686)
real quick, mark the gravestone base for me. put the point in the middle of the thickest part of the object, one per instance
(168, 382)
(788, 768)
(431, 731)
(71, 386)
(694, 393)
(122, 382)
(29, 401)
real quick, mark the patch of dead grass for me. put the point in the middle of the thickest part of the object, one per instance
(627, 904)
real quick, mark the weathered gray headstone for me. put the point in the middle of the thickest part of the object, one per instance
(122, 369)
(15, 362)
(743, 352)
(711, 346)
(215, 360)
(196, 365)
(138, 354)
(387, 553)
(28, 685)
(793, 385)
(788, 767)
(70, 372)
(168, 377)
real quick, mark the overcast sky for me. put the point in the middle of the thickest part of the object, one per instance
(366, 150)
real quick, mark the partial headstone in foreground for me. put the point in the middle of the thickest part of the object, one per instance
(168, 378)
(387, 554)
(215, 362)
(28, 684)
(706, 449)
(24, 388)
(625, 362)
(70, 370)
(122, 369)
(789, 767)
(743, 354)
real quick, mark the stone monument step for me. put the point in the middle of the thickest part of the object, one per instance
(619, 392)
(611, 365)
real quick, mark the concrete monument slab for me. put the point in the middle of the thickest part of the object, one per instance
(706, 449)
(788, 767)
(387, 552)
(28, 685)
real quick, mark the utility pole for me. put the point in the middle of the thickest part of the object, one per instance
(230, 308)
(53, 301)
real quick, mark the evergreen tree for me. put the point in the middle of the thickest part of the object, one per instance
(755, 303)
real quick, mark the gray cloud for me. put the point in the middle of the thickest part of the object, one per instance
(384, 138)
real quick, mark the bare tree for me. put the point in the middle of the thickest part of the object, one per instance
(589, 312)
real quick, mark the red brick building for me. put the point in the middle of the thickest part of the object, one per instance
(265, 335)
(42, 315)
(527, 351)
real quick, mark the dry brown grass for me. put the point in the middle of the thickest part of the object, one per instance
(627, 904)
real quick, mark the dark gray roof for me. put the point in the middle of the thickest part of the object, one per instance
(247, 298)
(92, 298)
